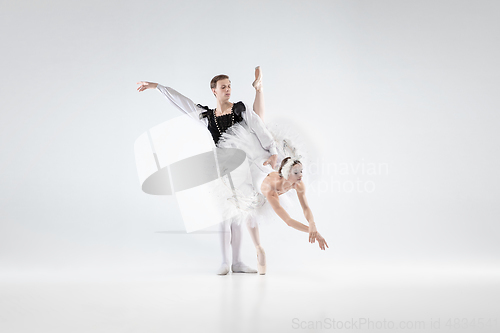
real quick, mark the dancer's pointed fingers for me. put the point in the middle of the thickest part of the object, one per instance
(312, 237)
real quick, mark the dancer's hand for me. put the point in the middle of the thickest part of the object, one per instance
(272, 161)
(143, 85)
(313, 232)
(321, 241)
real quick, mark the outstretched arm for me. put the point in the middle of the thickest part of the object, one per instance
(275, 203)
(313, 232)
(273, 199)
(301, 193)
(180, 101)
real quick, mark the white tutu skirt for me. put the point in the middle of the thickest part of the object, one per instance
(247, 197)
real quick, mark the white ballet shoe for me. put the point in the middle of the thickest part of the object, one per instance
(257, 84)
(223, 269)
(242, 268)
(261, 260)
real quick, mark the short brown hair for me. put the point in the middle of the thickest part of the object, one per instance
(213, 83)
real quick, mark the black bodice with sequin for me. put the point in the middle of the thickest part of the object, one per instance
(225, 121)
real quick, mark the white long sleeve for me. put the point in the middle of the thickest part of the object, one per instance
(182, 103)
(257, 127)
(255, 124)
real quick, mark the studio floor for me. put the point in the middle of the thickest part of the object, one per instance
(343, 298)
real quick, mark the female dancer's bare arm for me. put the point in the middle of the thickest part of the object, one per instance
(275, 203)
(301, 194)
(313, 232)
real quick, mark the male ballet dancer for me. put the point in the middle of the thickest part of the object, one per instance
(230, 230)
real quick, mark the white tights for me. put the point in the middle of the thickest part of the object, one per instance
(231, 235)
(231, 229)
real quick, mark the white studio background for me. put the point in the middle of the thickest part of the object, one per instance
(408, 86)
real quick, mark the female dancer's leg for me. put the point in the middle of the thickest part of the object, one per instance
(258, 104)
(253, 228)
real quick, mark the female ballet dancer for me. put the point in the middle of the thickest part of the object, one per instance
(269, 183)
(218, 121)
(288, 177)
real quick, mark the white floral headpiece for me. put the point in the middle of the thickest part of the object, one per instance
(287, 148)
(285, 170)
